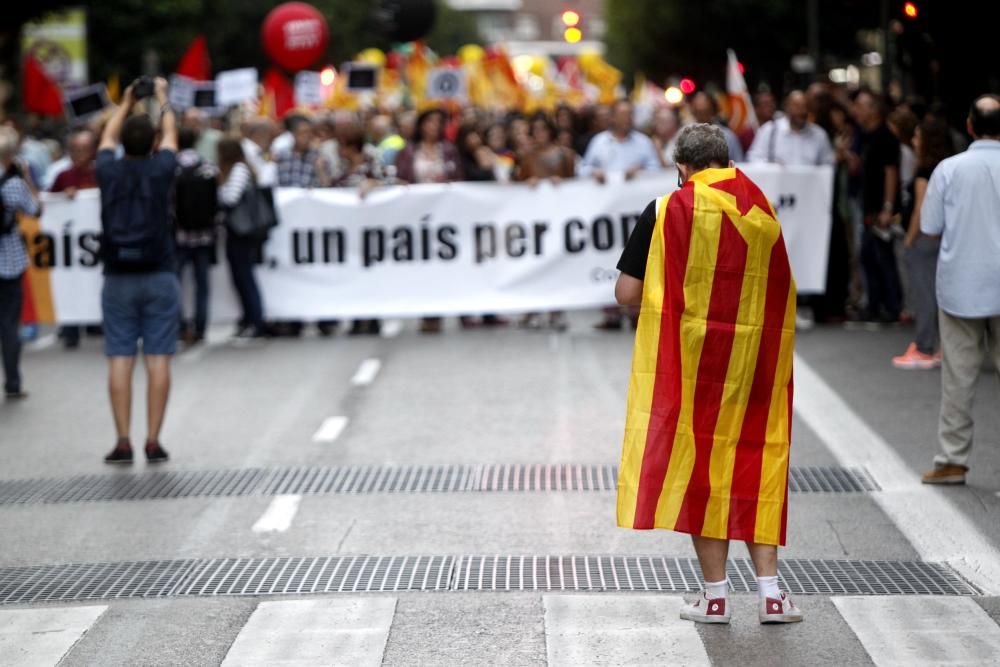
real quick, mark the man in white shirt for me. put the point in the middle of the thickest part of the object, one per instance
(792, 139)
(620, 149)
(962, 205)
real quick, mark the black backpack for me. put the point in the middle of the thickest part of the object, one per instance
(196, 198)
(132, 238)
(8, 219)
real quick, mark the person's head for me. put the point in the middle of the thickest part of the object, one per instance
(261, 132)
(303, 133)
(430, 126)
(665, 123)
(82, 148)
(700, 146)
(601, 119)
(984, 117)
(764, 105)
(565, 118)
(194, 118)
(621, 117)
(406, 121)
(468, 139)
(496, 137)
(187, 137)
(543, 130)
(351, 144)
(229, 153)
(9, 140)
(138, 136)
(380, 127)
(797, 109)
(703, 107)
(903, 124)
(868, 109)
(932, 142)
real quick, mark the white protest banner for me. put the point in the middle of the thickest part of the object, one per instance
(180, 93)
(308, 89)
(235, 86)
(437, 249)
(446, 83)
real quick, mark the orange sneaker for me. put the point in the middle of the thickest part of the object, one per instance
(915, 360)
(945, 474)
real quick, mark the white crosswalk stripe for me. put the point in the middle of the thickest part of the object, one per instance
(35, 637)
(346, 631)
(920, 631)
(610, 629)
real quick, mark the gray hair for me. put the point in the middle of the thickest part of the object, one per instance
(9, 139)
(701, 145)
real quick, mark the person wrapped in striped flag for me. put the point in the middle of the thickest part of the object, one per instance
(709, 412)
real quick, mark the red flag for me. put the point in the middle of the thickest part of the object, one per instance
(195, 64)
(41, 94)
(279, 92)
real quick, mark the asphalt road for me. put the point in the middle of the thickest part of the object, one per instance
(472, 398)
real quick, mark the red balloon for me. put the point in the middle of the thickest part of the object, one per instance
(294, 35)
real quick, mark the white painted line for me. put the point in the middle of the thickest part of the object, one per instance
(345, 631)
(330, 429)
(41, 343)
(937, 529)
(918, 631)
(366, 372)
(608, 629)
(391, 328)
(279, 514)
(30, 637)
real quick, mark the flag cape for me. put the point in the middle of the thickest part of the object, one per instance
(710, 396)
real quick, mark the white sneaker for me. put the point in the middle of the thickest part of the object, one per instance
(705, 610)
(781, 610)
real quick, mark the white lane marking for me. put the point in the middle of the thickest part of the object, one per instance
(391, 328)
(913, 631)
(937, 529)
(630, 629)
(330, 429)
(345, 631)
(30, 637)
(278, 516)
(366, 372)
(41, 343)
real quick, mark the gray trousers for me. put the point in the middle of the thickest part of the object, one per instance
(921, 268)
(964, 344)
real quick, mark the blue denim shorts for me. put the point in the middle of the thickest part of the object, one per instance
(142, 306)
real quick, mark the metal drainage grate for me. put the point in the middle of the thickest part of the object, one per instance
(370, 479)
(227, 576)
(348, 574)
(659, 573)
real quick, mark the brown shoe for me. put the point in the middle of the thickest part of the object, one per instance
(945, 474)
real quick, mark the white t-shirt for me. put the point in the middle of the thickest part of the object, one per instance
(777, 142)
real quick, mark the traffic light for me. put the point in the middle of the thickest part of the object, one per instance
(571, 26)
(910, 10)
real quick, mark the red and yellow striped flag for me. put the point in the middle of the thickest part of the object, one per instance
(710, 397)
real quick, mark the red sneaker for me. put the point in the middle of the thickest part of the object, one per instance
(779, 610)
(915, 360)
(707, 610)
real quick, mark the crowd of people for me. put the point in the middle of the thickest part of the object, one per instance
(881, 268)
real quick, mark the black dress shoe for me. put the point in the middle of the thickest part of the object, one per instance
(120, 455)
(155, 453)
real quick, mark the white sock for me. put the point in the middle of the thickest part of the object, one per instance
(768, 587)
(717, 589)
